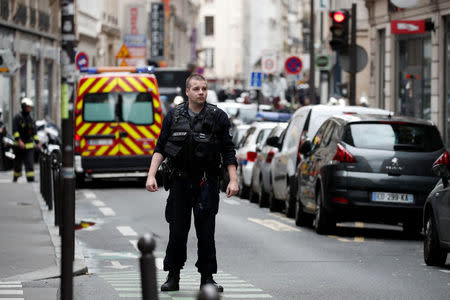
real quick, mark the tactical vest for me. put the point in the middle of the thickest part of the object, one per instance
(192, 145)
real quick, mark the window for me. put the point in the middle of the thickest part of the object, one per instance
(381, 67)
(262, 136)
(209, 57)
(99, 107)
(136, 108)
(393, 136)
(209, 25)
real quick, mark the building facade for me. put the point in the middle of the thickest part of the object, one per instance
(31, 30)
(410, 69)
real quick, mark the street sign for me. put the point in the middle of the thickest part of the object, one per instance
(81, 60)
(123, 52)
(407, 27)
(293, 65)
(361, 60)
(322, 61)
(269, 62)
(256, 79)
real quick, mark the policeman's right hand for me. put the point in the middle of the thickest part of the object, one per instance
(151, 184)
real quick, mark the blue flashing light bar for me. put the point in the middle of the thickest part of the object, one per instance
(97, 70)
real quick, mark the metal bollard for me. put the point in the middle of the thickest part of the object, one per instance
(208, 292)
(56, 165)
(146, 245)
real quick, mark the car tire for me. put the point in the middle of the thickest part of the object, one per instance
(302, 219)
(243, 189)
(433, 254)
(79, 180)
(323, 222)
(290, 199)
(252, 196)
(262, 195)
(273, 203)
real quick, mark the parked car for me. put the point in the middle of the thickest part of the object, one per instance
(238, 133)
(303, 125)
(246, 154)
(436, 216)
(367, 168)
(240, 113)
(261, 183)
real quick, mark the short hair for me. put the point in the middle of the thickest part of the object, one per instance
(194, 76)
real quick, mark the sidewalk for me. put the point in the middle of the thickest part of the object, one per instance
(31, 245)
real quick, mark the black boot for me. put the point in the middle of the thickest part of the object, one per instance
(208, 279)
(172, 283)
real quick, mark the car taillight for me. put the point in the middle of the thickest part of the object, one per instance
(251, 156)
(343, 155)
(270, 156)
(77, 143)
(444, 159)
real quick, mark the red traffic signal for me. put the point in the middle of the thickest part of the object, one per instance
(338, 16)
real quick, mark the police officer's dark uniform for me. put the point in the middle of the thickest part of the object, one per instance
(195, 146)
(24, 129)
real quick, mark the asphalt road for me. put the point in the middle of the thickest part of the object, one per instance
(261, 255)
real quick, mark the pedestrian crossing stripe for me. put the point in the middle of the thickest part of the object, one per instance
(11, 290)
(128, 285)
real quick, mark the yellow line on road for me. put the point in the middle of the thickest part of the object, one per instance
(273, 224)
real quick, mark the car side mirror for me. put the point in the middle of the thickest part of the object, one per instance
(443, 172)
(258, 149)
(273, 141)
(305, 148)
(441, 168)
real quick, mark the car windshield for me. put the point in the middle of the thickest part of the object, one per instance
(136, 108)
(395, 136)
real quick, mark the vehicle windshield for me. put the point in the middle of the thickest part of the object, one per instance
(136, 108)
(394, 136)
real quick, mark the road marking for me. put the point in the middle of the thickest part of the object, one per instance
(89, 195)
(358, 239)
(273, 224)
(126, 231)
(134, 243)
(231, 202)
(98, 203)
(10, 282)
(118, 255)
(11, 292)
(445, 271)
(282, 217)
(115, 264)
(107, 211)
(159, 263)
(359, 224)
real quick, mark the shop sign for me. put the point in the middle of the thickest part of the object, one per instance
(407, 27)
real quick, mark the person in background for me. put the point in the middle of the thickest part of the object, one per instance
(3, 132)
(26, 140)
(196, 139)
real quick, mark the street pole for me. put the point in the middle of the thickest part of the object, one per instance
(67, 173)
(353, 59)
(312, 71)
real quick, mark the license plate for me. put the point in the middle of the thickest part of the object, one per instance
(98, 142)
(392, 197)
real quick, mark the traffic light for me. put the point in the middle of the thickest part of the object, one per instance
(339, 30)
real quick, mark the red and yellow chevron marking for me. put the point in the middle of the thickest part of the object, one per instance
(140, 139)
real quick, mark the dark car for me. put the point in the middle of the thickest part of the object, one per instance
(367, 168)
(436, 216)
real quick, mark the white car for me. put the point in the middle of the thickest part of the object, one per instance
(246, 154)
(303, 125)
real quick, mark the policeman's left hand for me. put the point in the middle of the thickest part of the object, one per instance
(232, 189)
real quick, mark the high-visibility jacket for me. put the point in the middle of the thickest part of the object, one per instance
(25, 129)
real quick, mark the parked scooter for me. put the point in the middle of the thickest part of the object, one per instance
(49, 137)
(8, 152)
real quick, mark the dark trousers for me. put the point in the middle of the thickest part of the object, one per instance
(24, 156)
(186, 196)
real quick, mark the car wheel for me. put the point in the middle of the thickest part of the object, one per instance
(79, 180)
(323, 222)
(290, 200)
(302, 219)
(433, 254)
(263, 198)
(252, 196)
(273, 203)
(243, 190)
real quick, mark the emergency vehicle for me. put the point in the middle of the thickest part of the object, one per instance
(118, 119)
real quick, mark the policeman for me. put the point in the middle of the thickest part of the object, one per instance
(26, 140)
(196, 138)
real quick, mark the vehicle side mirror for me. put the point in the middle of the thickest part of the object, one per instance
(305, 147)
(258, 149)
(273, 141)
(443, 172)
(441, 168)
